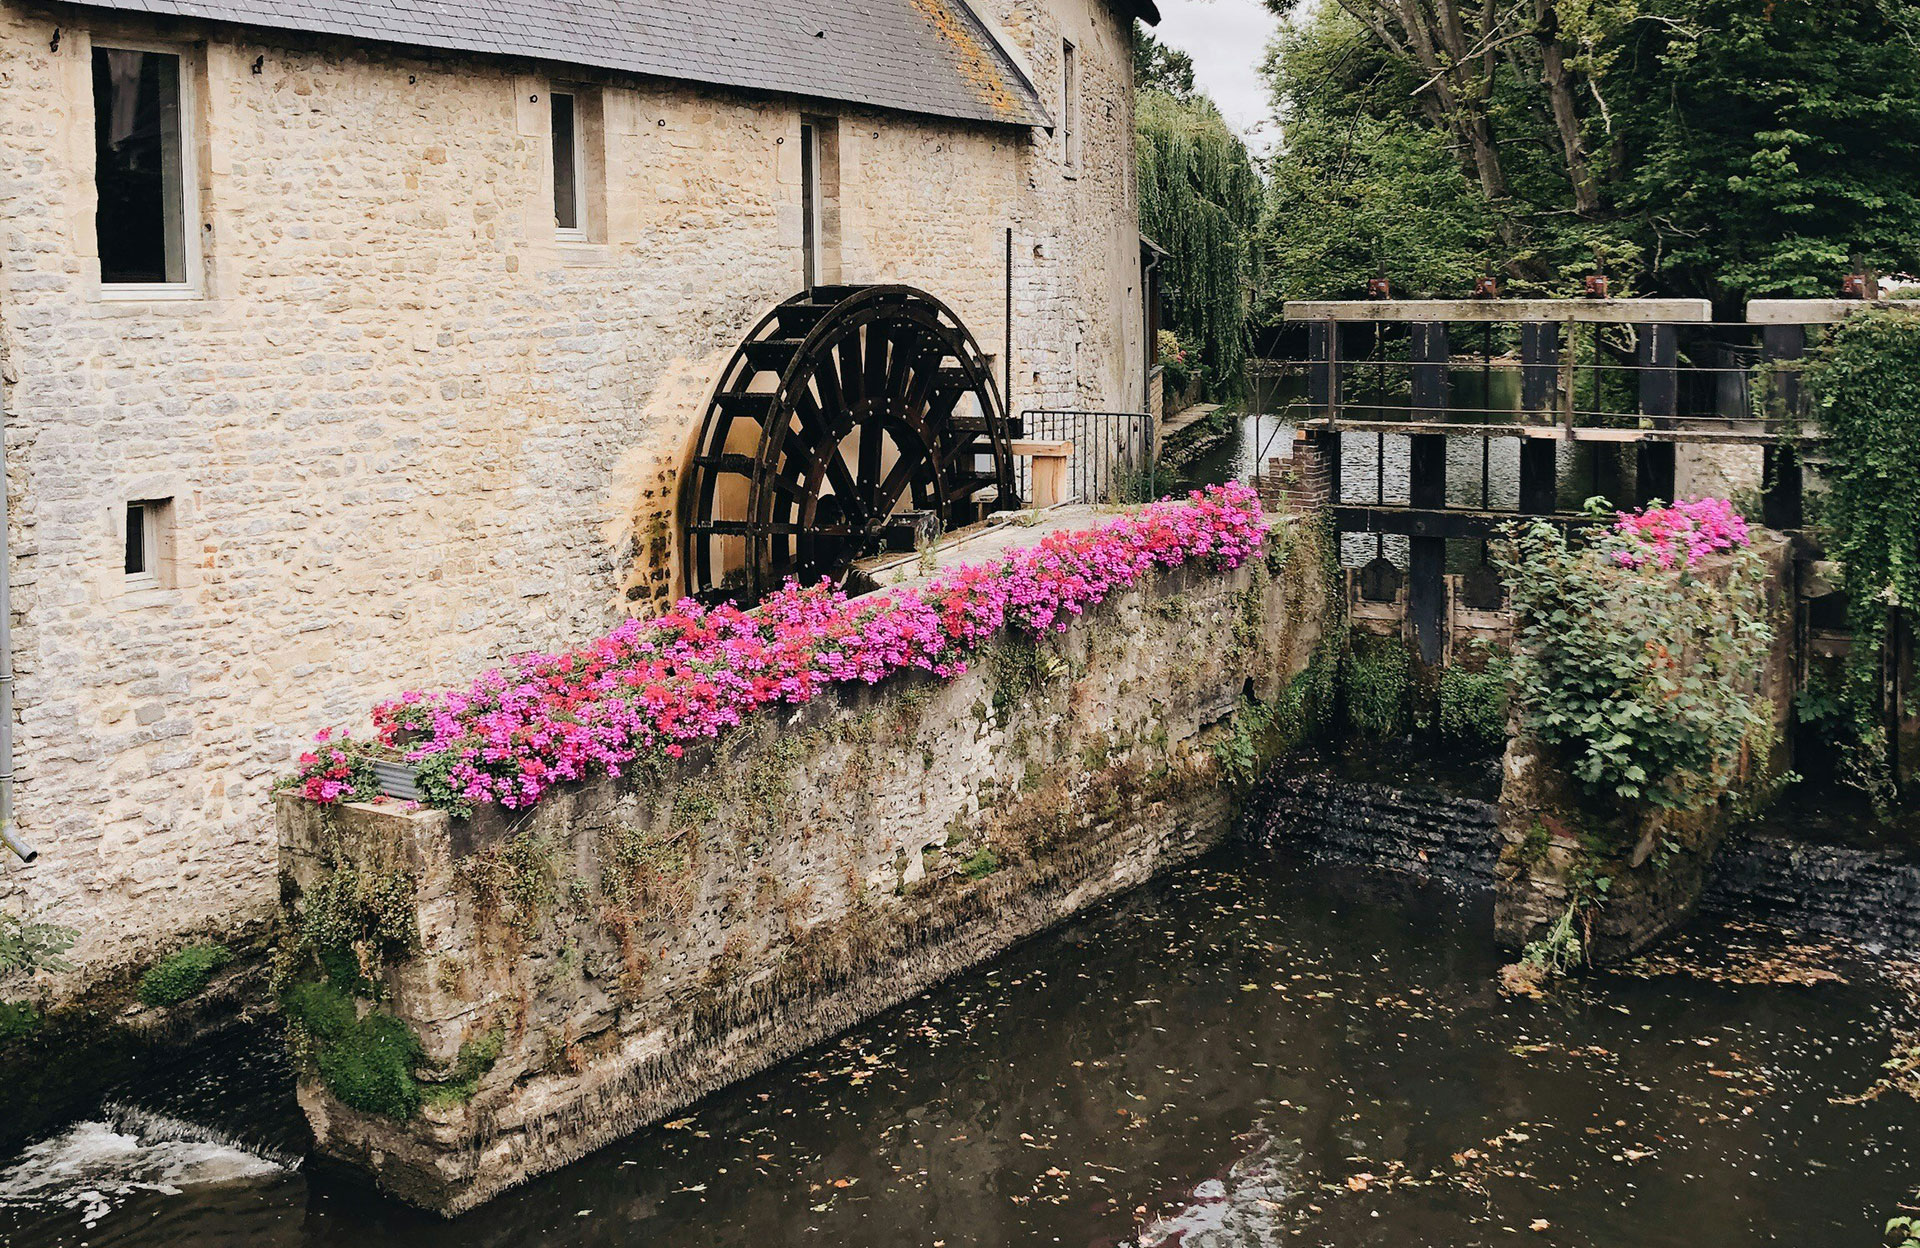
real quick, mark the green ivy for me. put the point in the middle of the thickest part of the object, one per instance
(1643, 680)
(184, 974)
(1865, 388)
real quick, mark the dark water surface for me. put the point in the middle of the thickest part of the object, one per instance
(1243, 1053)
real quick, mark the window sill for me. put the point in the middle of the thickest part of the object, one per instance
(578, 251)
(139, 593)
(129, 292)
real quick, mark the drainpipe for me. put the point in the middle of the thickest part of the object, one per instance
(8, 837)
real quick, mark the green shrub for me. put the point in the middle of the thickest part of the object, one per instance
(1473, 705)
(184, 974)
(1643, 680)
(1374, 685)
(366, 1062)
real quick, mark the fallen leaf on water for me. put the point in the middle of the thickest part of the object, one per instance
(1538, 1224)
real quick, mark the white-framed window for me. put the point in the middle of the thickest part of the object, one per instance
(810, 225)
(569, 168)
(145, 172)
(149, 543)
(1069, 104)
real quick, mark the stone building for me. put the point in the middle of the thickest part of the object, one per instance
(351, 345)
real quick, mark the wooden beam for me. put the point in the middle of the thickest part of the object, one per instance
(1437, 522)
(1606, 311)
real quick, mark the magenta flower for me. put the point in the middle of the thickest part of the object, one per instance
(648, 689)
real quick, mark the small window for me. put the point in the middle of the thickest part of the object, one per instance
(1069, 105)
(141, 170)
(148, 538)
(810, 205)
(569, 192)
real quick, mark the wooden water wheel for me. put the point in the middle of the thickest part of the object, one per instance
(853, 419)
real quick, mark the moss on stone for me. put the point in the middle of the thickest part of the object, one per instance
(367, 1062)
(183, 975)
(983, 863)
(476, 1057)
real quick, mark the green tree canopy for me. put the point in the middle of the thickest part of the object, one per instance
(1718, 148)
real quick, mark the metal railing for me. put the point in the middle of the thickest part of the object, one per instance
(1697, 382)
(1113, 453)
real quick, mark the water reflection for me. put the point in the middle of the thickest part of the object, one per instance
(1237, 1054)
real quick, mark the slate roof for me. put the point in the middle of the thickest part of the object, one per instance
(920, 56)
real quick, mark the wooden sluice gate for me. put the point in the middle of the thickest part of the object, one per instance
(1652, 396)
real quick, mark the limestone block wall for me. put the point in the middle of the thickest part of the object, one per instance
(627, 946)
(406, 431)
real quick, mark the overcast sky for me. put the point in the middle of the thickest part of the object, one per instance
(1226, 39)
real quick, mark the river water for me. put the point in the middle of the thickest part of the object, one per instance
(1245, 1052)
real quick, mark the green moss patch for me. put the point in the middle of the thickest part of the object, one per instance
(477, 1057)
(367, 1062)
(183, 975)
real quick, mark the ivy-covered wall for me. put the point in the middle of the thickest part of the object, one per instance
(477, 1001)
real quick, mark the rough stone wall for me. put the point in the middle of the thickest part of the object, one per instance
(696, 926)
(1545, 820)
(406, 431)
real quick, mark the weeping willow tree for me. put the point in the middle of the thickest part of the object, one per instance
(1199, 199)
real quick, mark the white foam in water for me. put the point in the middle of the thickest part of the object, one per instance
(93, 1168)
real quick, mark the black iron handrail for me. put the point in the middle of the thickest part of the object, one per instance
(1113, 452)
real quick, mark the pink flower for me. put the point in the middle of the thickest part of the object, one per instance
(1689, 529)
(647, 688)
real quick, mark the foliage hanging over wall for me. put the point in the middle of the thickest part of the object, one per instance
(1199, 199)
(1865, 384)
(1645, 679)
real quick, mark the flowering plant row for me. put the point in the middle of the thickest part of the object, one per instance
(648, 689)
(1681, 534)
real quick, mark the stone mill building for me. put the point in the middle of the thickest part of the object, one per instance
(348, 346)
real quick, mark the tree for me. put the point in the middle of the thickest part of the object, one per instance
(1200, 199)
(1762, 146)
(1718, 148)
(1157, 67)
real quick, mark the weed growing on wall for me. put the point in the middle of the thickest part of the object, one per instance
(1645, 679)
(28, 945)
